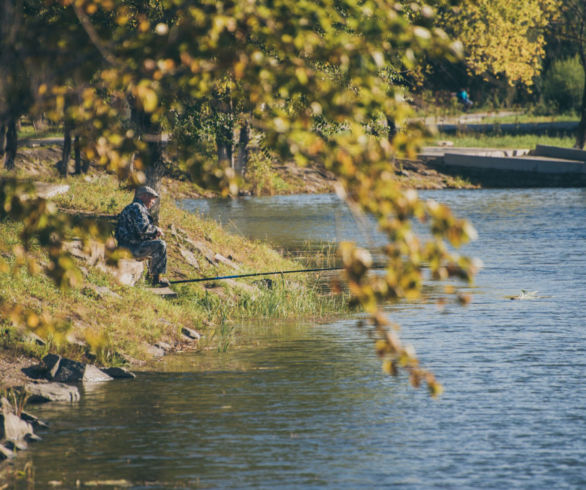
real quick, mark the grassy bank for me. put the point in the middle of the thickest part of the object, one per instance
(112, 324)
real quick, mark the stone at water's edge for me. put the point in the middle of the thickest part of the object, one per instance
(15, 430)
(51, 364)
(12, 427)
(68, 371)
(34, 421)
(51, 392)
(164, 346)
(118, 373)
(190, 333)
(155, 351)
(5, 453)
(92, 374)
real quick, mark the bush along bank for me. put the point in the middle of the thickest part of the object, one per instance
(115, 320)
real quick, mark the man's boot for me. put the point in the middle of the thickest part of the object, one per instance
(159, 281)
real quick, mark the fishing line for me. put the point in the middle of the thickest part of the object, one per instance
(298, 271)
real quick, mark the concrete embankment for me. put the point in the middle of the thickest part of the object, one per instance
(543, 167)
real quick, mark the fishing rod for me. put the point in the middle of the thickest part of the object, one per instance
(272, 273)
(238, 276)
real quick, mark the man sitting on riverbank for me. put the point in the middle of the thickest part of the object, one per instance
(136, 232)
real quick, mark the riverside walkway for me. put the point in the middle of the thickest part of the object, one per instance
(543, 166)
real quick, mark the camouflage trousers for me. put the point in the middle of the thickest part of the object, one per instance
(156, 251)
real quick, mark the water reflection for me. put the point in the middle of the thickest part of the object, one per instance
(287, 221)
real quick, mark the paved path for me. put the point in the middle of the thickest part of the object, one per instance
(32, 142)
(473, 122)
(466, 118)
(58, 140)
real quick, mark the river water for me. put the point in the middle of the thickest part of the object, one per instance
(306, 406)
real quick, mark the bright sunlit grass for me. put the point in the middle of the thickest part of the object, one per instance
(124, 321)
(520, 141)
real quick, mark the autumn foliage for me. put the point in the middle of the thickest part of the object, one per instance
(124, 71)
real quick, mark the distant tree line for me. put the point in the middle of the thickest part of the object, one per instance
(529, 53)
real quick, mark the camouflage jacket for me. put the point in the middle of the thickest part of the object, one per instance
(135, 225)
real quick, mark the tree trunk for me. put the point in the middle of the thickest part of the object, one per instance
(11, 145)
(391, 129)
(581, 133)
(2, 139)
(152, 158)
(242, 158)
(155, 169)
(224, 127)
(81, 166)
(63, 165)
(224, 137)
(224, 148)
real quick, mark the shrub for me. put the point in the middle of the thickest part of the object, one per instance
(261, 178)
(563, 84)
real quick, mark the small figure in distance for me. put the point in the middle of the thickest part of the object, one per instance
(464, 99)
(136, 232)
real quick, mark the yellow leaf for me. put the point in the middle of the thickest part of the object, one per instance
(301, 75)
(148, 97)
(32, 320)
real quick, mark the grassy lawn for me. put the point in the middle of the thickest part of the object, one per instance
(27, 130)
(505, 141)
(529, 118)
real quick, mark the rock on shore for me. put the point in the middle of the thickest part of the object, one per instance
(15, 432)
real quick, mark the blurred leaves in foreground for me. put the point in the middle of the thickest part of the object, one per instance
(315, 82)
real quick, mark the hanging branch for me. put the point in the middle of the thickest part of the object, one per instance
(94, 37)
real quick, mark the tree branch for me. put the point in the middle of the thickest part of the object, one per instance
(93, 35)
